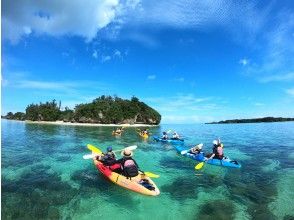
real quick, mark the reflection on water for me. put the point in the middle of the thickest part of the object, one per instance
(45, 177)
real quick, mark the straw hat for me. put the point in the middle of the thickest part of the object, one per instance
(127, 153)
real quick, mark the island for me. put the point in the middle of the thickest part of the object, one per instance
(102, 110)
(253, 120)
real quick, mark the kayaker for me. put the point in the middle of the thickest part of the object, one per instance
(196, 149)
(128, 165)
(164, 136)
(176, 136)
(118, 131)
(217, 151)
(107, 158)
(145, 132)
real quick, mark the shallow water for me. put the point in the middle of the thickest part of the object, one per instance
(45, 177)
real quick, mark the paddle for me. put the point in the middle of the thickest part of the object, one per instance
(90, 156)
(94, 149)
(186, 151)
(133, 147)
(91, 147)
(152, 175)
(199, 166)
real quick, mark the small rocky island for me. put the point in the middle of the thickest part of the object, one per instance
(102, 110)
(253, 120)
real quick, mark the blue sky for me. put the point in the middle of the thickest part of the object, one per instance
(193, 61)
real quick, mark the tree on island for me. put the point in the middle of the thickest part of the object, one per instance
(253, 120)
(104, 109)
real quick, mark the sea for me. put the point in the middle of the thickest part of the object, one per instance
(44, 175)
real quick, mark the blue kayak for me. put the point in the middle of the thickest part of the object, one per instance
(200, 157)
(170, 140)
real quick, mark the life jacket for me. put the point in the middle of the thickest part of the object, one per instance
(130, 169)
(110, 155)
(109, 158)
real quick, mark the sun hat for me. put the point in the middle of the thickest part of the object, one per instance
(127, 153)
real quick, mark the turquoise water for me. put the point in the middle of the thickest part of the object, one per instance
(45, 177)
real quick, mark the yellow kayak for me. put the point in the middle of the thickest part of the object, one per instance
(143, 135)
(115, 133)
(140, 184)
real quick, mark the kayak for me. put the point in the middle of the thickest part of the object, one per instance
(143, 135)
(115, 133)
(140, 184)
(200, 157)
(168, 140)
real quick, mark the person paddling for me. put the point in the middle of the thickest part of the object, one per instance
(176, 136)
(144, 132)
(107, 158)
(128, 165)
(196, 149)
(217, 151)
(164, 136)
(118, 131)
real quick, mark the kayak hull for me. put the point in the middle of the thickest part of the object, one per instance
(131, 184)
(116, 134)
(168, 140)
(200, 157)
(145, 136)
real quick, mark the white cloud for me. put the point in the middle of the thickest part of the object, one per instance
(258, 104)
(117, 54)
(276, 61)
(290, 92)
(239, 17)
(4, 82)
(85, 18)
(275, 78)
(95, 54)
(186, 103)
(58, 86)
(59, 17)
(105, 58)
(151, 77)
(244, 61)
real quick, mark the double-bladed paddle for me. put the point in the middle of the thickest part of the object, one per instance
(96, 151)
(186, 151)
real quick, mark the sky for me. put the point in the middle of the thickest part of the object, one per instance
(192, 60)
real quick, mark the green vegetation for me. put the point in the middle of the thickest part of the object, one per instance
(105, 110)
(253, 120)
(17, 116)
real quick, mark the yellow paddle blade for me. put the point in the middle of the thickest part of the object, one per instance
(152, 175)
(199, 166)
(94, 149)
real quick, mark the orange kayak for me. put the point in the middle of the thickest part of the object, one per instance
(136, 184)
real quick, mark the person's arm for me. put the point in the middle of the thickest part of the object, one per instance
(211, 156)
(120, 161)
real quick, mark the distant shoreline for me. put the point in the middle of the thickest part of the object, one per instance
(253, 120)
(88, 124)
